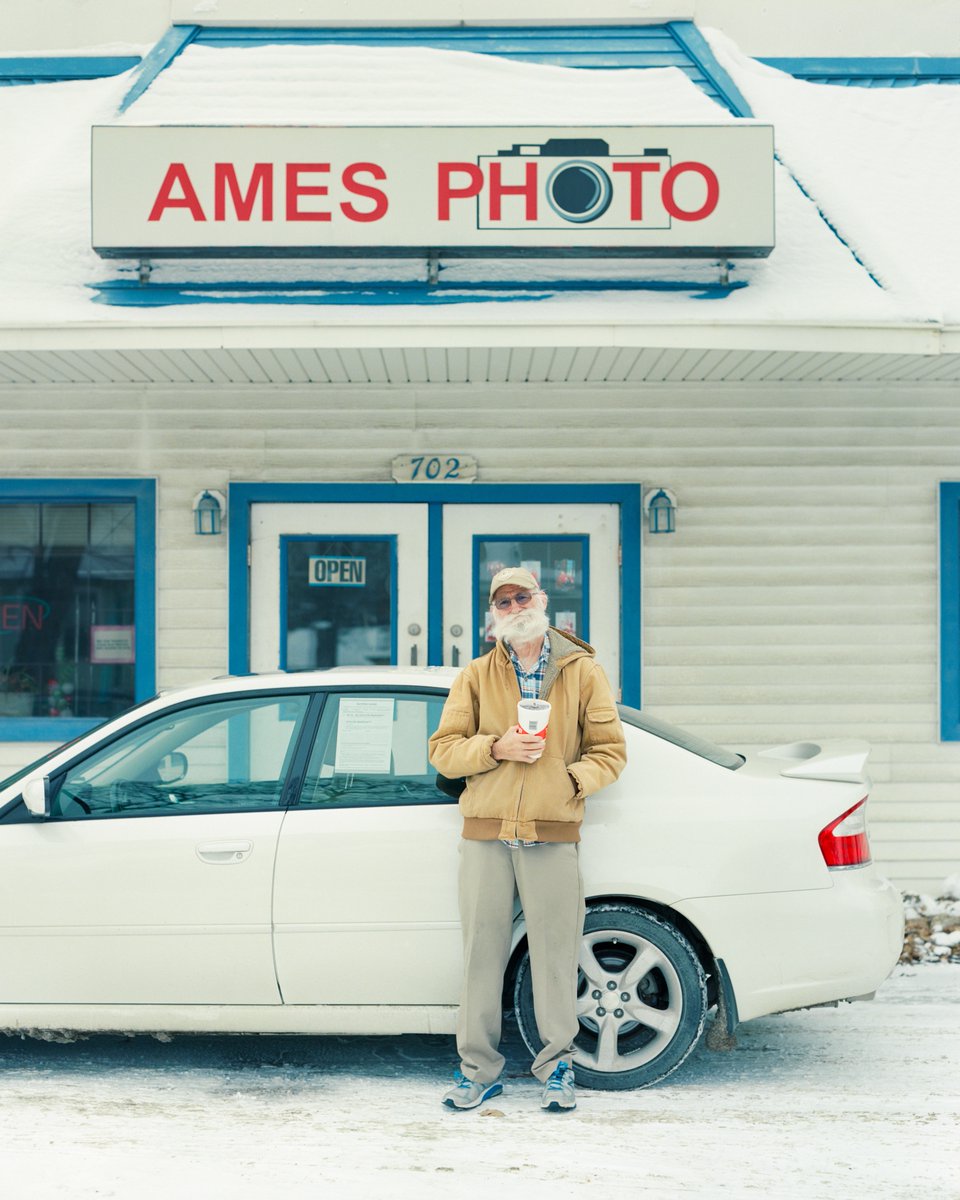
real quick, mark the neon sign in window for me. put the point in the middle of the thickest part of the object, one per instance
(67, 572)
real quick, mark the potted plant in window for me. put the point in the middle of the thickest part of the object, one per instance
(17, 691)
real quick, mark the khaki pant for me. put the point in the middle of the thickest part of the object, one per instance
(547, 880)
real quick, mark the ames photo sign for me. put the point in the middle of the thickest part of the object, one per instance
(252, 191)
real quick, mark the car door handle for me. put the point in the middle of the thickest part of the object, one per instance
(223, 853)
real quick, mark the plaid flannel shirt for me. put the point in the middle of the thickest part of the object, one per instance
(530, 684)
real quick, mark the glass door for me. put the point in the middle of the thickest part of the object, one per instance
(337, 585)
(573, 550)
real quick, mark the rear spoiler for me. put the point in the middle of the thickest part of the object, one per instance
(845, 762)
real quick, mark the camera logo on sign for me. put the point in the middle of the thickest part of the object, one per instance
(328, 570)
(577, 181)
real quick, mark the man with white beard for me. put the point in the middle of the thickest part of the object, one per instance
(522, 808)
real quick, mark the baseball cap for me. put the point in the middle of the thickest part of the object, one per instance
(514, 575)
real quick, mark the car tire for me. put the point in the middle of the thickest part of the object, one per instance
(621, 1042)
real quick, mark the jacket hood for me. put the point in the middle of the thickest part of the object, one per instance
(564, 649)
(562, 646)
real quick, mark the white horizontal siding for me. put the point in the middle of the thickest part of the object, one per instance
(797, 599)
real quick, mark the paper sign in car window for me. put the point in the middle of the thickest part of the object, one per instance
(364, 735)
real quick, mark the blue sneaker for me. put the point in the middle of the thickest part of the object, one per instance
(559, 1094)
(465, 1093)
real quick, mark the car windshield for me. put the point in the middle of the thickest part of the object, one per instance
(38, 762)
(681, 737)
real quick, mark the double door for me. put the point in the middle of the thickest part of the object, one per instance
(407, 583)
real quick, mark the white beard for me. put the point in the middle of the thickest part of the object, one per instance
(524, 626)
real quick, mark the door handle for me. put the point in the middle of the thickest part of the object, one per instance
(224, 853)
(455, 631)
(414, 631)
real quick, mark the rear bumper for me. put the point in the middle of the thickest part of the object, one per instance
(786, 950)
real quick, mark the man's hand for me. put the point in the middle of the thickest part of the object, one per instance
(518, 746)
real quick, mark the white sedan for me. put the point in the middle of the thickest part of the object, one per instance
(271, 854)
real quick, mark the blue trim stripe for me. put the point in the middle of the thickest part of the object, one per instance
(46, 729)
(950, 612)
(172, 44)
(144, 493)
(238, 580)
(64, 68)
(699, 52)
(870, 72)
(284, 593)
(436, 630)
(124, 293)
(631, 613)
(600, 45)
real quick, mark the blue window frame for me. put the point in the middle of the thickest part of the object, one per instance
(950, 612)
(323, 620)
(73, 501)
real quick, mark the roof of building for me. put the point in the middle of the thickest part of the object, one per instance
(866, 258)
(677, 44)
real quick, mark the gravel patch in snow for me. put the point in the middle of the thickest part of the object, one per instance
(933, 926)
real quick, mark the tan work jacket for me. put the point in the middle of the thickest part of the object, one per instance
(584, 751)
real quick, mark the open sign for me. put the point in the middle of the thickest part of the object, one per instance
(328, 570)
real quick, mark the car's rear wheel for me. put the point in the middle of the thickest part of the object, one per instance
(641, 999)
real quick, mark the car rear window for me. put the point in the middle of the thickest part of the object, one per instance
(683, 738)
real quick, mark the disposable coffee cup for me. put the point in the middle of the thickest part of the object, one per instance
(533, 716)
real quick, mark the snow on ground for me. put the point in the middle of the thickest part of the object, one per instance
(856, 1102)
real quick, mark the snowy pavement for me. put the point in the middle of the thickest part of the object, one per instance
(860, 1101)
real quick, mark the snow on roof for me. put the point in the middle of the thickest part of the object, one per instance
(881, 163)
(362, 85)
(863, 156)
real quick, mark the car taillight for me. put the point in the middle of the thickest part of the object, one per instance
(843, 843)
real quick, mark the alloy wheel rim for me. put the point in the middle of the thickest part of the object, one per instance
(629, 1001)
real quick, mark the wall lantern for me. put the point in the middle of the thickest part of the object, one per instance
(208, 510)
(661, 509)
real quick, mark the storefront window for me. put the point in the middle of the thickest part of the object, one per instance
(338, 602)
(558, 563)
(67, 623)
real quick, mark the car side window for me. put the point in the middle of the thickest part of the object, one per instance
(218, 756)
(371, 749)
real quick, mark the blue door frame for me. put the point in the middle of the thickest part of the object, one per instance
(628, 496)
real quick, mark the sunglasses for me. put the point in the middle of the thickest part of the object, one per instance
(522, 599)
